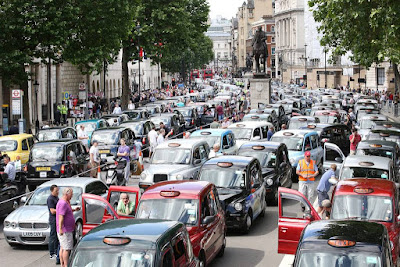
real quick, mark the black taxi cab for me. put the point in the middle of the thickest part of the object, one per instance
(276, 168)
(344, 243)
(240, 188)
(135, 243)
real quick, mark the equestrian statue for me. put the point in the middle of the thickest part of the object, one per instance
(260, 51)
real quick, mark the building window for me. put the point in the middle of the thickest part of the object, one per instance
(273, 51)
(273, 62)
(218, 45)
(218, 54)
(226, 54)
(272, 28)
(381, 75)
(272, 39)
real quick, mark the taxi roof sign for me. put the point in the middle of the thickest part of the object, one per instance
(240, 125)
(366, 163)
(116, 240)
(205, 133)
(258, 147)
(375, 145)
(225, 164)
(255, 117)
(384, 134)
(311, 126)
(174, 145)
(388, 125)
(302, 119)
(169, 193)
(288, 134)
(341, 243)
(363, 190)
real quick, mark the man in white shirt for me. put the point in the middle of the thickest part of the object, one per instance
(94, 159)
(152, 135)
(214, 151)
(117, 109)
(83, 136)
(160, 138)
(10, 168)
(131, 105)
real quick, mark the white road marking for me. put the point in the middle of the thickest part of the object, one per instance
(287, 261)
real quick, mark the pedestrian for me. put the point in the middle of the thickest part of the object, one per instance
(83, 136)
(57, 116)
(220, 112)
(323, 188)
(152, 136)
(215, 124)
(117, 109)
(355, 138)
(131, 105)
(65, 223)
(215, 151)
(94, 159)
(64, 112)
(124, 152)
(52, 201)
(307, 170)
(226, 123)
(10, 168)
(283, 127)
(270, 133)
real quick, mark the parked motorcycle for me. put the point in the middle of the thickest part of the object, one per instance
(113, 173)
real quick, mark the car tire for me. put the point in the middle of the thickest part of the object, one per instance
(78, 231)
(31, 187)
(202, 259)
(248, 222)
(222, 250)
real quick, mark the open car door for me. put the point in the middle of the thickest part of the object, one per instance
(292, 219)
(114, 197)
(95, 211)
(333, 155)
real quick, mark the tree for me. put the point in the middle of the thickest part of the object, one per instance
(369, 29)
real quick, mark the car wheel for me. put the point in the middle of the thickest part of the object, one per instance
(248, 222)
(273, 200)
(222, 250)
(202, 260)
(31, 187)
(78, 231)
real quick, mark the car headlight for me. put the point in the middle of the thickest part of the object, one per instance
(270, 182)
(292, 161)
(179, 177)
(143, 176)
(14, 225)
(238, 206)
(7, 224)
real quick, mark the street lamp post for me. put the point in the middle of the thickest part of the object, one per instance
(36, 87)
(326, 75)
(305, 65)
(138, 35)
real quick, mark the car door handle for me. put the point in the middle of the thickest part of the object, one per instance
(284, 230)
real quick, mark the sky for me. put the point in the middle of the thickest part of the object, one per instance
(226, 8)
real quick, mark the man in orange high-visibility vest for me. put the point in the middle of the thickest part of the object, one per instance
(307, 170)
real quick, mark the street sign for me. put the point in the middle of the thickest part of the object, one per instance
(16, 106)
(16, 94)
(66, 95)
(82, 87)
(82, 95)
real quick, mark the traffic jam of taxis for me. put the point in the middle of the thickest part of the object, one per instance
(186, 200)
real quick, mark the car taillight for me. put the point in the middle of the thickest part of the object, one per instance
(62, 170)
(144, 140)
(192, 122)
(25, 168)
(116, 163)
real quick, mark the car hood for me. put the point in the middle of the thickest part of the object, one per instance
(166, 168)
(295, 154)
(267, 172)
(228, 195)
(34, 213)
(52, 164)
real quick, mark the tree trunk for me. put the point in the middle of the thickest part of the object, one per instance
(396, 78)
(25, 104)
(125, 78)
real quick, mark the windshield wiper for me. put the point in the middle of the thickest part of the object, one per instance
(42, 159)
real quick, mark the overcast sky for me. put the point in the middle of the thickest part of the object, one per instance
(226, 8)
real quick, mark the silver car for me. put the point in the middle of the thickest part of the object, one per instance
(175, 160)
(29, 224)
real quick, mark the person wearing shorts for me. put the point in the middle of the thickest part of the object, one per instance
(323, 188)
(307, 170)
(65, 223)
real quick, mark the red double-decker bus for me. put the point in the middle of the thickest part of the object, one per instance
(208, 74)
(194, 74)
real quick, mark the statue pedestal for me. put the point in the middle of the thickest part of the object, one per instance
(260, 91)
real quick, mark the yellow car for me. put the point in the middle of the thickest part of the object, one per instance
(17, 145)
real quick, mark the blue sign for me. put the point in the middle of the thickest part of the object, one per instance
(66, 95)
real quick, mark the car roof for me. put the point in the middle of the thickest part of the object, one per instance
(112, 128)
(213, 132)
(183, 143)
(370, 143)
(373, 117)
(305, 118)
(294, 133)
(111, 116)
(378, 162)
(319, 232)
(187, 189)
(57, 141)
(163, 115)
(380, 186)
(144, 233)
(74, 181)
(249, 124)
(92, 120)
(54, 128)
(236, 160)
(15, 136)
(267, 144)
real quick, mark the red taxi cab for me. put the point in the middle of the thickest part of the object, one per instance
(194, 203)
(361, 199)
(97, 210)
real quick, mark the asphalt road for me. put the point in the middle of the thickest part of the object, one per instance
(258, 248)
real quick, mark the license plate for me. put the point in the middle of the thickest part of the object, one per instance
(32, 234)
(103, 156)
(43, 174)
(104, 151)
(108, 181)
(43, 169)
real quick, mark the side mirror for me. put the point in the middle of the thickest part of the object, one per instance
(283, 165)
(197, 161)
(207, 220)
(307, 216)
(23, 200)
(339, 159)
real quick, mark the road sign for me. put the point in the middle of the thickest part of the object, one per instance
(82, 87)
(16, 94)
(16, 106)
(66, 95)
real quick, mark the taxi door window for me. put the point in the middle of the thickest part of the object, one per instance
(96, 188)
(115, 200)
(31, 142)
(205, 207)
(307, 144)
(24, 145)
(225, 141)
(231, 140)
(314, 142)
(292, 206)
(257, 132)
(188, 245)
(265, 131)
(203, 152)
(179, 250)
(212, 203)
(71, 152)
(167, 258)
(196, 153)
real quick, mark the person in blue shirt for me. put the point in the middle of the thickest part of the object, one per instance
(270, 133)
(323, 188)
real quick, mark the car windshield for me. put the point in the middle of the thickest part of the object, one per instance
(367, 124)
(106, 138)
(242, 133)
(89, 126)
(137, 128)
(171, 156)
(8, 145)
(133, 114)
(339, 259)
(327, 119)
(294, 143)
(113, 121)
(48, 152)
(363, 207)
(375, 152)
(41, 194)
(183, 210)
(113, 256)
(296, 124)
(357, 172)
(211, 140)
(49, 135)
(223, 177)
(186, 112)
(267, 159)
(164, 120)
